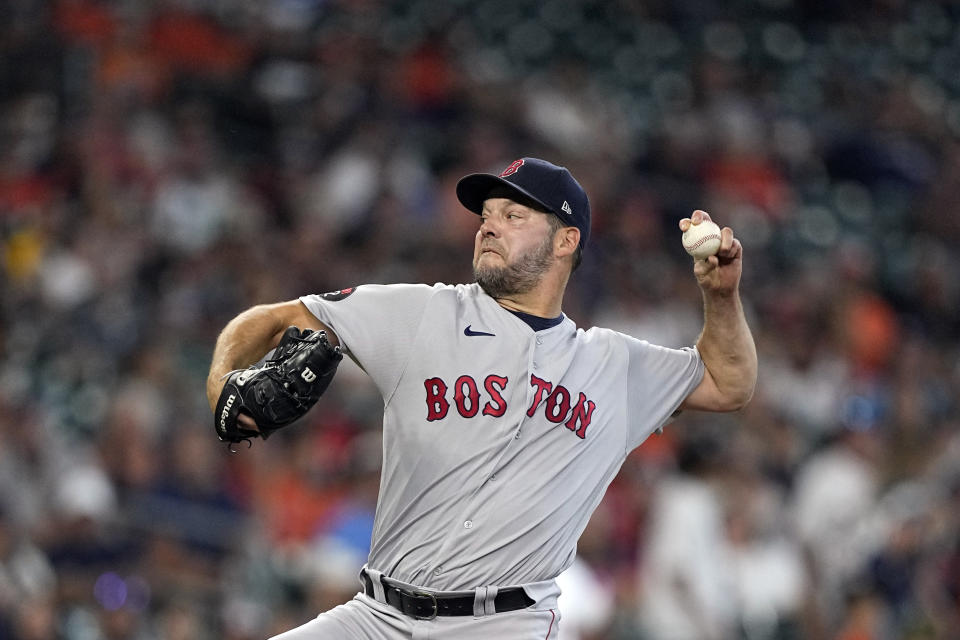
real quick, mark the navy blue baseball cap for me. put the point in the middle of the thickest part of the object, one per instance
(553, 188)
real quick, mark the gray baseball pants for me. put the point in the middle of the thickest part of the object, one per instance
(364, 618)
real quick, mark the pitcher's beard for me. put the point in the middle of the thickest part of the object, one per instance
(520, 277)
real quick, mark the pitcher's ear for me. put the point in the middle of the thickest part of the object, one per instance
(566, 240)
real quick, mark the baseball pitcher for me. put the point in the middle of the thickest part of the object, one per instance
(503, 421)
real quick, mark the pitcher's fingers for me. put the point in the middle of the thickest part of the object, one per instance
(726, 239)
(699, 216)
(732, 251)
(703, 267)
(247, 422)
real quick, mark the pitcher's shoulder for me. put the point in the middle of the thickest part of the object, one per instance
(599, 334)
(471, 291)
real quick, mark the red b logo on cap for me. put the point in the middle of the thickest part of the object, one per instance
(512, 169)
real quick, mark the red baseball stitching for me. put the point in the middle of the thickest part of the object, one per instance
(701, 241)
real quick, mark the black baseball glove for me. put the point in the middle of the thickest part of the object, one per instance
(279, 390)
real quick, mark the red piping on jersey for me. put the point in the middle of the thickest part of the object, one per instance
(553, 616)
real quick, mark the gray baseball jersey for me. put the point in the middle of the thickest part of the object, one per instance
(499, 441)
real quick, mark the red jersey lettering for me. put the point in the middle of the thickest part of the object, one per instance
(437, 405)
(558, 405)
(581, 415)
(497, 406)
(542, 387)
(460, 396)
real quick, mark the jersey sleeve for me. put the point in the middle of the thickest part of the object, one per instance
(376, 325)
(658, 380)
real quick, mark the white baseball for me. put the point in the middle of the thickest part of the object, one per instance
(702, 240)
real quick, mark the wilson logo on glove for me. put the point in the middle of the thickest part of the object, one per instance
(279, 392)
(226, 410)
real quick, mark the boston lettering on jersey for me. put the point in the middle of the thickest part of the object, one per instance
(558, 406)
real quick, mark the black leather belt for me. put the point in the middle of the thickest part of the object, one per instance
(426, 606)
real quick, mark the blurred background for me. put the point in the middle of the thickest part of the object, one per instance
(166, 164)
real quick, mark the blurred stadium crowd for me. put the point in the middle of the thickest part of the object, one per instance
(166, 164)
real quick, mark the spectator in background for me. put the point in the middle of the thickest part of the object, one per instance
(835, 494)
(27, 584)
(585, 603)
(771, 585)
(686, 589)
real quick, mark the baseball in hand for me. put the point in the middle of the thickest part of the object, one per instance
(702, 240)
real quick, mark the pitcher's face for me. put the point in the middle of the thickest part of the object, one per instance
(513, 248)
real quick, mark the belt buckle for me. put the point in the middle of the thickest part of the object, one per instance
(433, 601)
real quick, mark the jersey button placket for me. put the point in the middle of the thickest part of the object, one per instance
(531, 354)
